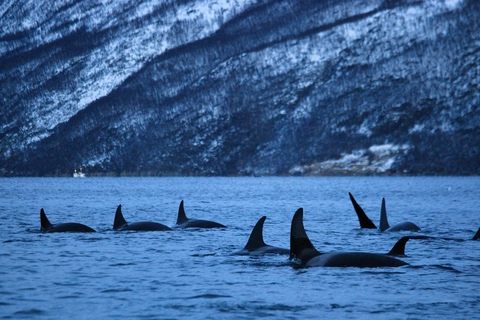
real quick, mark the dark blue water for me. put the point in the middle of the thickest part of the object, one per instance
(189, 273)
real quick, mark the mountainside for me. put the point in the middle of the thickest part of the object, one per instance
(240, 87)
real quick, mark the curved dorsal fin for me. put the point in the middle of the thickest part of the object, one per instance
(44, 223)
(300, 245)
(477, 235)
(181, 214)
(399, 247)
(256, 237)
(119, 220)
(365, 222)
(383, 217)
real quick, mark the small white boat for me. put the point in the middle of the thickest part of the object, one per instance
(78, 174)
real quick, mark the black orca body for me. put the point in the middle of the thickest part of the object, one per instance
(46, 226)
(183, 222)
(302, 249)
(120, 224)
(256, 245)
(365, 222)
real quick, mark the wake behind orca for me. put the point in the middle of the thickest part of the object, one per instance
(46, 226)
(365, 222)
(475, 237)
(256, 245)
(302, 249)
(183, 222)
(120, 224)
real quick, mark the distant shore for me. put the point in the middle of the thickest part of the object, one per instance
(338, 173)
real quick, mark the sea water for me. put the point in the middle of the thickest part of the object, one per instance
(190, 273)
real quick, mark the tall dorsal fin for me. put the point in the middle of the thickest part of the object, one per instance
(181, 214)
(477, 235)
(399, 247)
(256, 237)
(119, 220)
(44, 223)
(365, 222)
(300, 245)
(383, 217)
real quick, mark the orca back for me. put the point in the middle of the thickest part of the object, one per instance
(46, 226)
(355, 259)
(145, 226)
(404, 226)
(183, 222)
(70, 227)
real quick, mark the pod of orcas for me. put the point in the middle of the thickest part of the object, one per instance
(365, 222)
(301, 252)
(120, 224)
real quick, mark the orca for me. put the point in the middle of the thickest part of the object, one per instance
(120, 224)
(256, 245)
(365, 222)
(183, 222)
(46, 226)
(301, 249)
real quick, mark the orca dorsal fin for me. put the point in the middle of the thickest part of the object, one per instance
(365, 222)
(399, 247)
(44, 223)
(300, 245)
(256, 237)
(119, 220)
(383, 217)
(477, 235)
(181, 214)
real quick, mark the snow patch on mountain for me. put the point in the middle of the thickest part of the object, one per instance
(376, 159)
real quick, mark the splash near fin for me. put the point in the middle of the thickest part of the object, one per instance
(383, 217)
(256, 237)
(181, 214)
(119, 220)
(399, 247)
(300, 245)
(477, 235)
(365, 222)
(44, 223)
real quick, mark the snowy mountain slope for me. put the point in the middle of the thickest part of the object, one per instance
(61, 58)
(223, 87)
